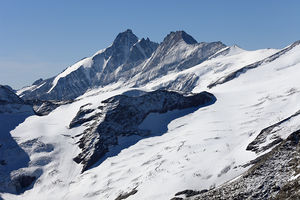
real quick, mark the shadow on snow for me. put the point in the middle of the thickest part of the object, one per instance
(156, 123)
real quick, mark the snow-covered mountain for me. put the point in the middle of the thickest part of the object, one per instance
(178, 120)
(127, 61)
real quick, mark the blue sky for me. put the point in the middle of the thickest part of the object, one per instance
(40, 38)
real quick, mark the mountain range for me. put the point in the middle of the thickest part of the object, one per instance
(180, 120)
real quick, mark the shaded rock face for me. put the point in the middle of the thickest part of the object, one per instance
(142, 50)
(121, 115)
(107, 66)
(126, 195)
(273, 176)
(11, 103)
(132, 61)
(120, 50)
(7, 96)
(177, 52)
(22, 182)
(44, 107)
(174, 37)
(13, 111)
(37, 82)
(190, 193)
(123, 57)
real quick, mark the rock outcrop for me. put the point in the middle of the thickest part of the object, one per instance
(121, 115)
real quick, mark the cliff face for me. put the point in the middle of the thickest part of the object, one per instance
(121, 116)
(128, 60)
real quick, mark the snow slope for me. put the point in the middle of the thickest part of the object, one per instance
(200, 150)
(86, 63)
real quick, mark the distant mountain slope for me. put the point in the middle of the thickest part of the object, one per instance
(244, 69)
(125, 59)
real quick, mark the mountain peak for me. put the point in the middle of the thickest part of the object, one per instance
(8, 96)
(180, 36)
(126, 38)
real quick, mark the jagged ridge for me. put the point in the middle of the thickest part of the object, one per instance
(132, 61)
(121, 115)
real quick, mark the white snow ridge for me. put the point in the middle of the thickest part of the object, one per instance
(154, 121)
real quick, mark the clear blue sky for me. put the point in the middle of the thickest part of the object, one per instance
(40, 38)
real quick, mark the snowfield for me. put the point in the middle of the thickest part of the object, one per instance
(200, 150)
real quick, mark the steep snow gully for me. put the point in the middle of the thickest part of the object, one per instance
(133, 121)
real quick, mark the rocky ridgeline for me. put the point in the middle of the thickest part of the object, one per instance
(128, 59)
(121, 115)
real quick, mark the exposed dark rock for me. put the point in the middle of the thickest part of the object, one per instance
(177, 198)
(147, 47)
(256, 144)
(177, 36)
(190, 193)
(37, 82)
(44, 107)
(79, 118)
(7, 96)
(22, 182)
(126, 195)
(289, 191)
(9, 88)
(120, 116)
